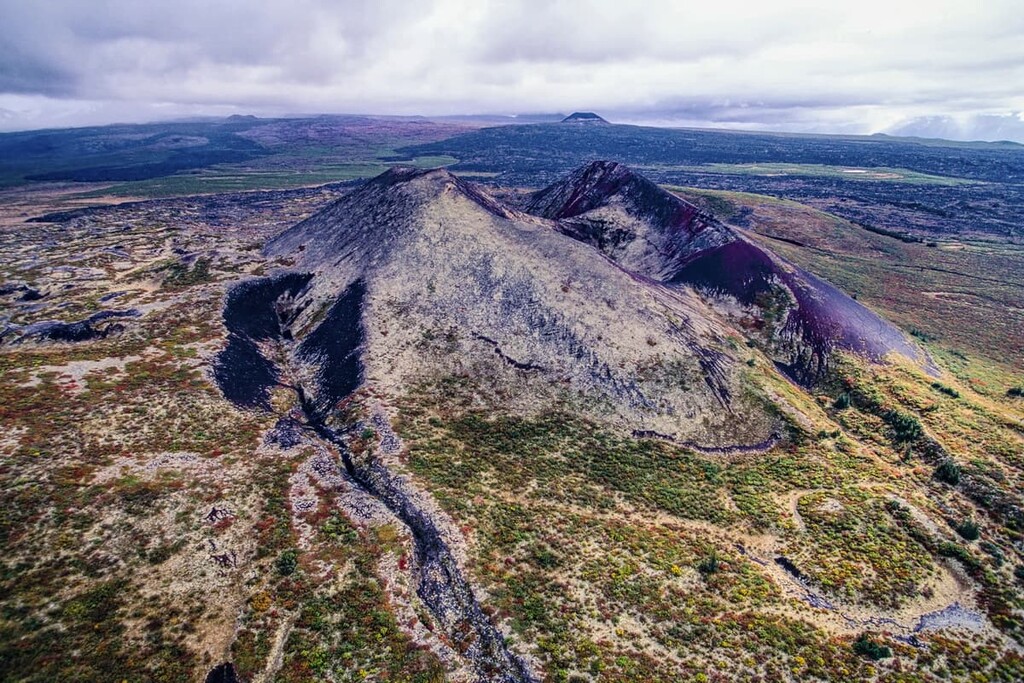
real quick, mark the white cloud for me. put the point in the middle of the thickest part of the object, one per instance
(807, 65)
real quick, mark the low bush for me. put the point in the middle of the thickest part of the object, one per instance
(948, 471)
(905, 427)
(968, 529)
(872, 649)
(959, 552)
(287, 562)
(943, 389)
(709, 565)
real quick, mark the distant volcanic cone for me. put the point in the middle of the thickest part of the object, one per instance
(584, 117)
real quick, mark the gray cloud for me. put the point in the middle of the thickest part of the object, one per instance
(861, 67)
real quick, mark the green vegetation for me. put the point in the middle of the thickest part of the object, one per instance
(968, 529)
(287, 562)
(709, 564)
(180, 276)
(872, 649)
(343, 630)
(948, 471)
(577, 553)
(948, 391)
(853, 549)
(905, 427)
(873, 174)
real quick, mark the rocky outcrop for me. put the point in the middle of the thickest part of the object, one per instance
(256, 311)
(97, 326)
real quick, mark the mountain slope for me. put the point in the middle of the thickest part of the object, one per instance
(446, 265)
(649, 231)
(419, 278)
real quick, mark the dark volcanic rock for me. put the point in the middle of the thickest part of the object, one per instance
(263, 310)
(333, 348)
(243, 374)
(223, 673)
(97, 326)
(255, 311)
(252, 307)
(31, 295)
(27, 293)
(287, 433)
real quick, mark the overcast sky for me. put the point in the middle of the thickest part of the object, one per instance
(863, 66)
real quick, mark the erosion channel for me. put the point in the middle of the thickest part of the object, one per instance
(262, 351)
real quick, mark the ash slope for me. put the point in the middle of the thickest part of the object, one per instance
(799, 318)
(455, 282)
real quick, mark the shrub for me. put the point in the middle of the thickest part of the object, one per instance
(287, 562)
(905, 427)
(968, 529)
(866, 647)
(943, 389)
(260, 602)
(160, 554)
(179, 275)
(544, 557)
(842, 401)
(994, 551)
(709, 565)
(1016, 392)
(339, 529)
(922, 335)
(948, 471)
(898, 510)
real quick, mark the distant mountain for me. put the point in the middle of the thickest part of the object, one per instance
(989, 128)
(585, 117)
